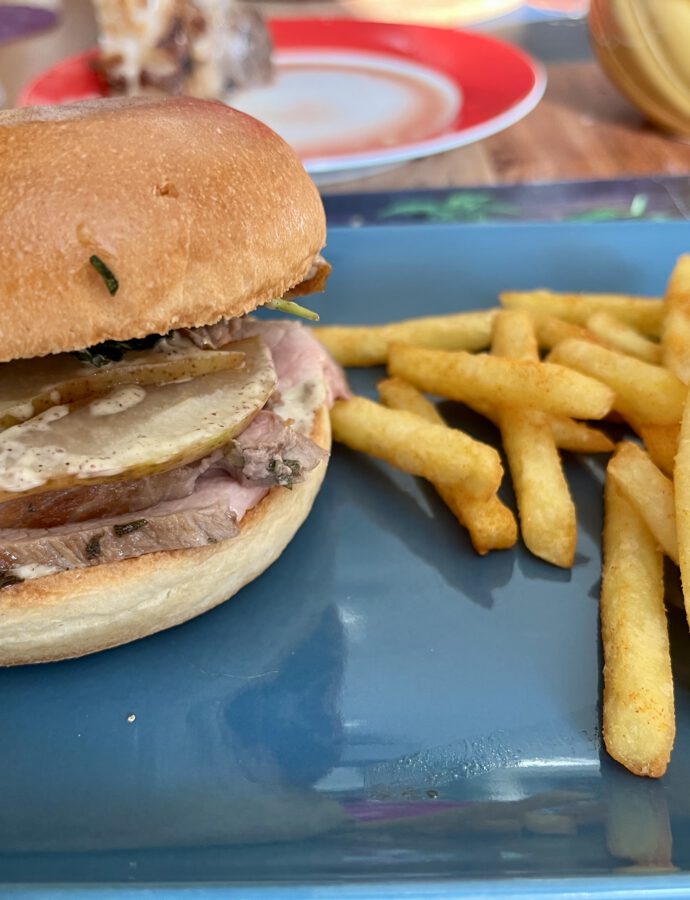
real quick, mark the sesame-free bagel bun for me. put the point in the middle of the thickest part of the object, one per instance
(84, 610)
(200, 211)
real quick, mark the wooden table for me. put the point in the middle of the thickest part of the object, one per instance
(582, 128)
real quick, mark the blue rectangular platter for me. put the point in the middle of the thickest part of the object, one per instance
(383, 713)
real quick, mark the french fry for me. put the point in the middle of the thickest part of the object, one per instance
(398, 394)
(639, 721)
(681, 482)
(675, 334)
(643, 313)
(645, 393)
(649, 492)
(576, 437)
(551, 331)
(491, 525)
(547, 513)
(513, 335)
(619, 336)
(661, 442)
(437, 453)
(367, 345)
(494, 380)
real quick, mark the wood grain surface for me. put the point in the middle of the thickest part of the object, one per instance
(582, 128)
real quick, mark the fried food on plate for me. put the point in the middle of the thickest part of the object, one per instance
(643, 313)
(675, 333)
(649, 492)
(491, 525)
(681, 481)
(644, 393)
(491, 379)
(436, 452)
(622, 337)
(639, 720)
(367, 345)
(547, 513)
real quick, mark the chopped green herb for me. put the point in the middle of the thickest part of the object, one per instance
(106, 274)
(6, 579)
(294, 465)
(295, 309)
(285, 480)
(93, 546)
(129, 527)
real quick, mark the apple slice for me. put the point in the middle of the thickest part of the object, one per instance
(30, 386)
(135, 430)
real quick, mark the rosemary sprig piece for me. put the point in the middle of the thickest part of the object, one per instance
(106, 274)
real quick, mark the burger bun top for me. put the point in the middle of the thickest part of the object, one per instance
(198, 210)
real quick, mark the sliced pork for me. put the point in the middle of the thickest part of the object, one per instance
(193, 505)
(204, 517)
(79, 504)
(270, 452)
(299, 359)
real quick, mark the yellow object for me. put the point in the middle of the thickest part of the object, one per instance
(643, 47)
(432, 12)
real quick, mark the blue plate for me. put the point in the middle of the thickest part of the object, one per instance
(383, 712)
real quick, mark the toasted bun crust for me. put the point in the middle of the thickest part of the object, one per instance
(84, 610)
(199, 211)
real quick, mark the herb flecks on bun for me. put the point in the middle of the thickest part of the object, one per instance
(158, 446)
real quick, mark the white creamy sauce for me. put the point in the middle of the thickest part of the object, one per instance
(30, 570)
(43, 421)
(22, 411)
(55, 396)
(119, 400)
(299, 403)
(21, 467)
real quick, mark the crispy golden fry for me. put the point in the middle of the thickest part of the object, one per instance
(682, 496)
(551, 331)
(367, 345)
(490, 380)
(513, 335)
(649, 492)
(639, 722)
(576, 437)
(437, 453)
(645, 393)
(619, 336)
(490, 523)
(398, 394)
(661, 442)
(547, 513)
(675, 333)
(643, 313)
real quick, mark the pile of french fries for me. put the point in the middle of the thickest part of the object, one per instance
(542, 368)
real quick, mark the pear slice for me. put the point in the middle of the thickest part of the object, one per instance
(135, 430)
(30, 386)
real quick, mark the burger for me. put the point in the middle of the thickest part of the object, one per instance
(160, 445)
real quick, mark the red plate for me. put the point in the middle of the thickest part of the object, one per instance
(353, 95)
